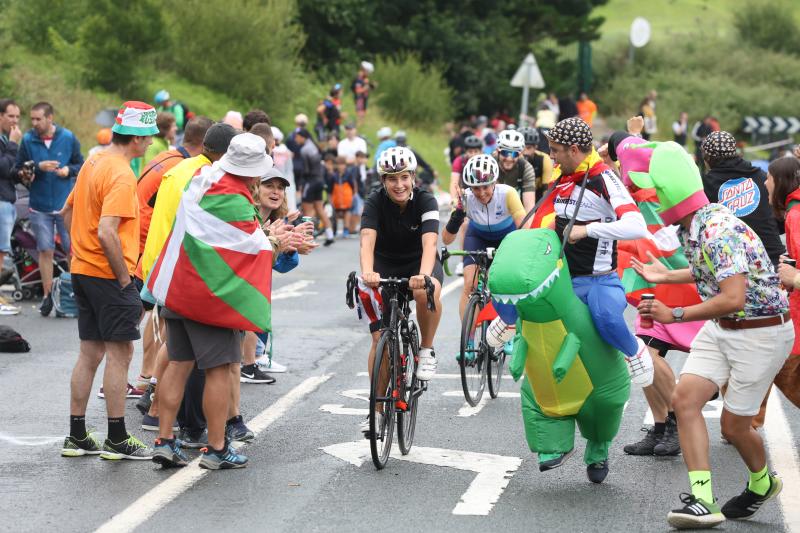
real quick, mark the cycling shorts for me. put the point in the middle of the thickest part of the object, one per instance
(476, 240)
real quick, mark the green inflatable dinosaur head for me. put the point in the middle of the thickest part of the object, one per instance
(528, 271)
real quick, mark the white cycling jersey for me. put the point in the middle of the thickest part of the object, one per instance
(496, 216)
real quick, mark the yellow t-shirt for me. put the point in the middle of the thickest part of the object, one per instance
(167, 200)
(106, 186)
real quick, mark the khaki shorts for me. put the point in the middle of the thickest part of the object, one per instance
(746, 359)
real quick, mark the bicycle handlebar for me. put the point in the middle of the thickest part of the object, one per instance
(446, 254)
(352, 289)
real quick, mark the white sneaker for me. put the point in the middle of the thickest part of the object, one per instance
(269, 365)
(460, 269)
(364, 427)
(427, 364)
(8, 310)
(499, 333)
(640, 366)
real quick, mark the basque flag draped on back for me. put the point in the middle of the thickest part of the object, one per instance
(216, 267)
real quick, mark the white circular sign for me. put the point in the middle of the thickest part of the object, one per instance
(640, 32)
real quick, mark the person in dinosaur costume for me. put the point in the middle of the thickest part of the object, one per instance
(571, 374)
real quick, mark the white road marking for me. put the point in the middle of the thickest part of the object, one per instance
(783, 459)
(711, 410)
(162, 494)
(293, 290)
(493, 471)
(356, 394)
(436, 376)
(467, 410)
(339, 409)
(30, 441)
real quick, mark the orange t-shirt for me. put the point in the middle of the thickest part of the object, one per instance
(149, 182)
(106, 186)
(586, 110)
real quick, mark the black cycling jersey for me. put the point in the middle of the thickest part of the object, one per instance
(400, 233)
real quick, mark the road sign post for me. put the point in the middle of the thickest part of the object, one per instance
(527, 76)
(640, 36)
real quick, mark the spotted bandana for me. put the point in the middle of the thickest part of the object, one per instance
(570, 131)
(719, 145)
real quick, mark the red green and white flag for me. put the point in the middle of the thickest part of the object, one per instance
(664, 244)
(216, 267)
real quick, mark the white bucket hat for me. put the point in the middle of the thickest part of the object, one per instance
(246, 156)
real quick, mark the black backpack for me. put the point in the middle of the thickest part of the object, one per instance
(12, 342)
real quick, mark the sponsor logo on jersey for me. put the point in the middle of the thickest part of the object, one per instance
(740, 195)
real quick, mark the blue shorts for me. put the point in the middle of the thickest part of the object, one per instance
(358, 205)
(476, 240)
(8, 215)
(45, 226)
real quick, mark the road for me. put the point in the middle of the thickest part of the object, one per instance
(309, 469)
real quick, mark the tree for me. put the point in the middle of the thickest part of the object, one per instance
(479, 43)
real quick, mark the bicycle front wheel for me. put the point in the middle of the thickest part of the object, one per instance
(497, 358)
(472, 359)
(407, 419)
(381, 401)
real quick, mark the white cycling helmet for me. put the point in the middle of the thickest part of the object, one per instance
(511, 140)
(480, 170)
(396, 160)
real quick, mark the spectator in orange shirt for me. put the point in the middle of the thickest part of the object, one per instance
(587, 109)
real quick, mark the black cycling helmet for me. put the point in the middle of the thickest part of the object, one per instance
(472, 141)
(531, 135)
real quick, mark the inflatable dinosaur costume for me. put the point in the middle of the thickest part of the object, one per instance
(571, 374)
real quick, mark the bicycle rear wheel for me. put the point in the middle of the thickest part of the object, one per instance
(381, 400)
(497, 358)
(407, 420)
(472, 359)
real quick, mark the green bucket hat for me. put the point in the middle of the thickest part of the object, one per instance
(676, 179)
(136, 118)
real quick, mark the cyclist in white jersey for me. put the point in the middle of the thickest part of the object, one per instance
(494, 210)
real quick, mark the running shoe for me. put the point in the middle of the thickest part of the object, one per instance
(364, 427)
(695, 514)
(253, 374)
(426, 368)
(223, 460)
(271, 366)
(130, 448)
(46, 307)
(132, 392)
(146, 400)
(597, 472)
(88, 445)
(644, 446)
(238, 431)
(8, 310)
(150, 423)
(168, 453)
(748, 503)
(193, 439)
(549, 461)
(669, 444)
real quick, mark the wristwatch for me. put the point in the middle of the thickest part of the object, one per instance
(677, 314)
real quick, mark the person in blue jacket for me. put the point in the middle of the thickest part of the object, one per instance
(56, 156)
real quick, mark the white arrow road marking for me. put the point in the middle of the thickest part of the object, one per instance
(494, 471)
(293, 290)
(176, 484)
(711, 410)
(339, 409)
(782, 449)
(468, 410)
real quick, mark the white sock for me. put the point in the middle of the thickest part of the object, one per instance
(328, 233)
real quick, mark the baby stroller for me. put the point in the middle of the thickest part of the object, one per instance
(27, 280)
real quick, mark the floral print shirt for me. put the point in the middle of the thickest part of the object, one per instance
(718, 245)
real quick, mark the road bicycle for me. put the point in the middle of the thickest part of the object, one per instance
(479, 363)
(396, 359)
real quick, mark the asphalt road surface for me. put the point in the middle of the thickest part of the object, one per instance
(309, 469)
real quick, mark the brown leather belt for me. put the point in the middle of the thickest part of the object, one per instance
(749, 323)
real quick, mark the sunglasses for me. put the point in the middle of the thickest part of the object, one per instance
(511, 154)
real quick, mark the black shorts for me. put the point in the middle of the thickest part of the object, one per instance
(312, 191)
(399, 270)
(139, 285)
(208, 346)
(106, 312)
(662, 346)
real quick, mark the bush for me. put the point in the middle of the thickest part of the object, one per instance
(248, 49)
(769, 25)
(411, 93)
(700, 75)
(30, 21)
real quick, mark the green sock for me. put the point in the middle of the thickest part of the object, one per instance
(700, 481)
(759, 481)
